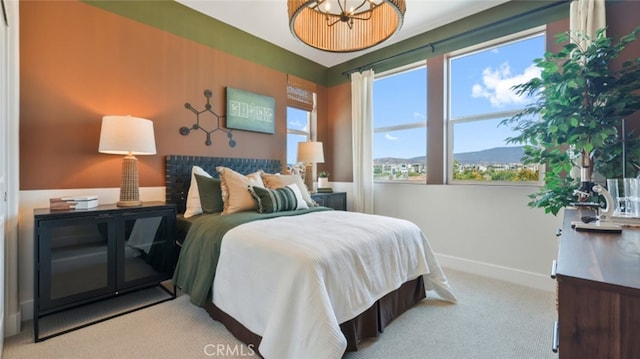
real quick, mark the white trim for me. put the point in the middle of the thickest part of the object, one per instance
(12, 317)
(511, 275)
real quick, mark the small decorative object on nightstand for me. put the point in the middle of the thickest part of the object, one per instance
(335, 200)
(120, 255)
(323, 182)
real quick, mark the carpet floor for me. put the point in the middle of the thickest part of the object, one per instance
(492, 320)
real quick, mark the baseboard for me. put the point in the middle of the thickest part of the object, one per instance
(26, 308)
(511, 275)
(12, 324)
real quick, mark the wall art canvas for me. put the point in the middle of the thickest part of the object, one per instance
(250, 111)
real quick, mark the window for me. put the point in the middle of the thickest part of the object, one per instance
(480, 96)
(298, 122)
(400, 125)
(301, 115)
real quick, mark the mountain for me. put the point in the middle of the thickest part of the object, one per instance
(490, 156)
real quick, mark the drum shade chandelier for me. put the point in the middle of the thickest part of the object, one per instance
(345, 25)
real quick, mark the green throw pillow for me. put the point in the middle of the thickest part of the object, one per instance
(210, 194)
(274, 200)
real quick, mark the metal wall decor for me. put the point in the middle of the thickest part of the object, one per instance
(196, 126)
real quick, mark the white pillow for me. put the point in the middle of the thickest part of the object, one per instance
(296, 190)
(193, 197)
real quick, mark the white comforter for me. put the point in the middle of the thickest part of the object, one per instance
(303, 275)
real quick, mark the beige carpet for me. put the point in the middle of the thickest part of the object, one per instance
(492, 320)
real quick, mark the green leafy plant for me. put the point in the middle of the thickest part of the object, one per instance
(575, 119)
(323, 174)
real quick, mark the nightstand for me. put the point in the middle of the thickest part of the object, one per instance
(95, 264)
(335, 200)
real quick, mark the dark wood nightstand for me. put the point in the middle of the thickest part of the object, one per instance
(335, 200)
(84, 258)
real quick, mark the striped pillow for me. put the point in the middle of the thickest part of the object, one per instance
(274, 200)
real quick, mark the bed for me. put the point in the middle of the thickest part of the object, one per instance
(291, 283)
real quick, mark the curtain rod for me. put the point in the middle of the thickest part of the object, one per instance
(452, 37)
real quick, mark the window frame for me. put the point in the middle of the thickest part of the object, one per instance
(450, 122)
(406, 126)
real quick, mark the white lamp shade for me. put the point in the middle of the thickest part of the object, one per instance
(121, 135)
(310, 152)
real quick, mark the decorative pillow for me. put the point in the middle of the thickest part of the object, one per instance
(234, 185)
(274, 200)
(194, 207)
(210, 194)
(301, 202)
(278, 181)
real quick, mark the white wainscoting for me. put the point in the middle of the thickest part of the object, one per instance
(487, 230)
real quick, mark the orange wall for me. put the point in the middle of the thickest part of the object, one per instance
(622, 18)
(339, 133)
(79, 62)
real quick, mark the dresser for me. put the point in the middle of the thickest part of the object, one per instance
(94, 264)
(598, 279)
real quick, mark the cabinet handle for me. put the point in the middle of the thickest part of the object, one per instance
(554, 269)
(555, 342)
(104, 215)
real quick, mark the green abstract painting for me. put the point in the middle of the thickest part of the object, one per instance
(250, 111)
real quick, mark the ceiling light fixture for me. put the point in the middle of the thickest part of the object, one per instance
(345, 25)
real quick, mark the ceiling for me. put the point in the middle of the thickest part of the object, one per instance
(268, 20)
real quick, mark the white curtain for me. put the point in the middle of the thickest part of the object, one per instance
(362, 140)
(586, 17)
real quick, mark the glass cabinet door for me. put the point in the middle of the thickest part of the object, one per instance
(75, 256)
(146, 253)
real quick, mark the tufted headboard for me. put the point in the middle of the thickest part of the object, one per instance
(178, 172)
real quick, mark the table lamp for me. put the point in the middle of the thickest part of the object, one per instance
(129, 136)
(310, 153)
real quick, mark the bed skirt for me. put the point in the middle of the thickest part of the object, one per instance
(368, 324)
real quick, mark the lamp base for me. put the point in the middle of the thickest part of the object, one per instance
(308, 176)
(129, 203)
(129, 192)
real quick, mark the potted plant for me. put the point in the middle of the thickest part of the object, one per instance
(576, 117)
(323, 179)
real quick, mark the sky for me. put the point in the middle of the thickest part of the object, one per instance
(480, 83)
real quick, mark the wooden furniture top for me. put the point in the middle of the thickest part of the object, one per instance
(608, 258)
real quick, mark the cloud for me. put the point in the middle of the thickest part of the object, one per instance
(496, 85)
(418, 116)
(298, 124)
(390, 138)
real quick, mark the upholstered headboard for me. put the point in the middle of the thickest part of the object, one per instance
(178, 172)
